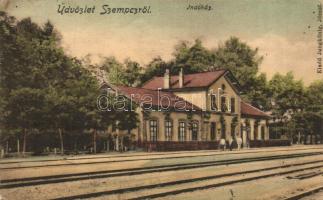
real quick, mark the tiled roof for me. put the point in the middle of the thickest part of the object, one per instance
(202, 79)
(142, 95)
(247, 109)
(158, 98)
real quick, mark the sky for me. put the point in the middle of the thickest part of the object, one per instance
(284, 31)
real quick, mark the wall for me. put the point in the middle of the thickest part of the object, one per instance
(196, 97)
(175, 117)
(262, 122)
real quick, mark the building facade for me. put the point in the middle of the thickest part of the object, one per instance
(192, 109)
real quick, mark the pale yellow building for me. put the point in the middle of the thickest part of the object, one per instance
(194, 111)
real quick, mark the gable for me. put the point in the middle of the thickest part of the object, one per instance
(230, 88)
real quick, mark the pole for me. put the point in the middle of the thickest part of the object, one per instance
(299, 137)
(7, 147)
(18, 146)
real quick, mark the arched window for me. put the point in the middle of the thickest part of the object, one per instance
(223, 87)
(224, 107)
(214, 106)
(181, 131)
(168, 130)
(153, 126)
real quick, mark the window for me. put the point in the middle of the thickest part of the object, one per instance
(181, 131)
(232, 105)
(223, 104)
(168, 130)
(214, 107)
(213, 129)
(194, 130)
(153, 130)
(223, 87)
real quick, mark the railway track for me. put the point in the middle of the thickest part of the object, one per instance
(32, 181)
(140, 159)
(305, 193)
(159, 154)
(199, 179)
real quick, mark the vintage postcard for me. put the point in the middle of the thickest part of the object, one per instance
(161, 99)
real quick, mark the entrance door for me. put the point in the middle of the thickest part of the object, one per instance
(213, 130)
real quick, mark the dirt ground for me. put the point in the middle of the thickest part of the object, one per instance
(276, 187)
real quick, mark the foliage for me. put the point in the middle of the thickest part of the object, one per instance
(240, 59)
(156, 67)
(127, 73)
(195, 58)
(44, 90)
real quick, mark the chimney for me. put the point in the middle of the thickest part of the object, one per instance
(166, 79)
(181, 78)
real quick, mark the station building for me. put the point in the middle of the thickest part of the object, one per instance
(193, 111)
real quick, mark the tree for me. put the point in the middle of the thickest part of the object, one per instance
(258, 93)
(43, 88)
(25, 111)
(22, 64)
(127, 73)
(240, 59)
(287, 95)
(313, 114)
(71, 102)
(156, 67)
(290, 105)
(132, 72)
(191, 57)
(195, 58)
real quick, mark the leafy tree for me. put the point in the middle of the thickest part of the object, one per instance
(127, 73)
(313, 114)
(127, 120)
(43, 88)
(240, 59)
(287, 95)
(195, 58)
(25, 111)
(114, 71)
(156, 67)
(23, 43)
(72, 101)
(296, 109)
(132, 72)
(258, 93)
(192, 58)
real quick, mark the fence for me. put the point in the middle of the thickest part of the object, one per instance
(178, 146)
(269, 143)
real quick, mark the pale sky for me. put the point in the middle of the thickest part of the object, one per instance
(284, 31)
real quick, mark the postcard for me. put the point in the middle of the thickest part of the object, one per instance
(161, 99)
